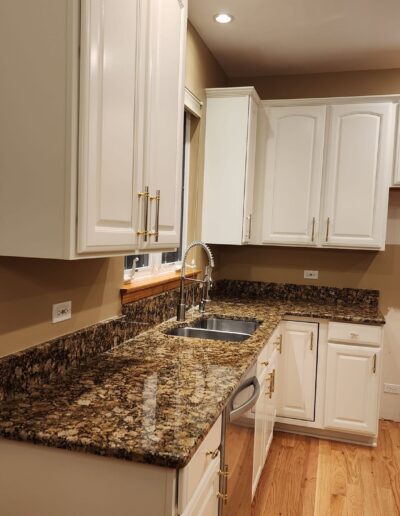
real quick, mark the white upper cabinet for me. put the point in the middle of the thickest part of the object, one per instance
(324, 171)
(230, 143)
(293, 171)
(358, 174)
(99, 137)
(164, 128)
(107, 153)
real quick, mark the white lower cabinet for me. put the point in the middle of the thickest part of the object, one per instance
(205, 500)
(298, 362)
(64, 482)
(265, 410)
(329, 380)
(352, 385)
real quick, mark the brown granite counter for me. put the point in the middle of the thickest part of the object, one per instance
(154, 398)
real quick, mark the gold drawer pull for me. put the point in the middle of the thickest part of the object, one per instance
(213, 453)
(266, 363)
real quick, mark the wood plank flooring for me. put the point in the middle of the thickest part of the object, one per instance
(305, 476)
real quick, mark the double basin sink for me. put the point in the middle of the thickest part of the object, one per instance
(217, 328)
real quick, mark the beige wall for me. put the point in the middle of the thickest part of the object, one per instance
(202, 71)
(342, 84)
(28, 288)
(363, 269)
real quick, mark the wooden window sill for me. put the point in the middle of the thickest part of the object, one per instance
(142, 288)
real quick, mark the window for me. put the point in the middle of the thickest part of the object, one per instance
(153, 264)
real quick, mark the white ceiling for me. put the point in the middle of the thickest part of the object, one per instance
(269, 37)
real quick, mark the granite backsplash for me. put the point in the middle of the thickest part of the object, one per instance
(291, 292)
(55, 359)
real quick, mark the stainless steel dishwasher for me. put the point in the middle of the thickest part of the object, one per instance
(237, 448)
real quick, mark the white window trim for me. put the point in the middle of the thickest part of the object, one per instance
(155, 268)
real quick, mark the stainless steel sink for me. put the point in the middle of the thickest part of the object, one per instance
(204, 333)
(230, 325)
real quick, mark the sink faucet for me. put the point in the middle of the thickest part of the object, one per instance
(206, 281)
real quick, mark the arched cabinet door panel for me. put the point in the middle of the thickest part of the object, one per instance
(293, 172)
(358, 173)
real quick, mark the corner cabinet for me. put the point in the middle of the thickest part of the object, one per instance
(326, 172)
(230, 147)
(98, 170)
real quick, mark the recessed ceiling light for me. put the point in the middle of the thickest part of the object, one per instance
(223, 18)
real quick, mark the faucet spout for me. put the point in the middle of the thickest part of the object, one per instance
(206, 281)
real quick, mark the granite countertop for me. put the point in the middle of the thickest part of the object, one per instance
(154, 398)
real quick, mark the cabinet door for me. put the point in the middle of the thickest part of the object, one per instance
(352, 384)
(226, 144)
(110, 43)
(164, 120)
(260, 427)
(265, 412)
(205, 500)
(250, 170)
(358, 172)
(297, 370)
(293, 171)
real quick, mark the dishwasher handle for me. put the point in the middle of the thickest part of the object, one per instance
(235, 414)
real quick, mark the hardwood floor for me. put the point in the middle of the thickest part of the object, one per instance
(308, 476)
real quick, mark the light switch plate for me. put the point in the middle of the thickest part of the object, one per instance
(311, 274)
(62, 311)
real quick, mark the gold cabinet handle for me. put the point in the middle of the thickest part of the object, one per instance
(313, 229)
(157, 228)
(374, 364)
(311, 341)
(273, 382)
(144, 232)
(222, 496)
(270, 384)
(213, 453)
(327, 229)
(156, 231)
(278, 343)
(266, 363)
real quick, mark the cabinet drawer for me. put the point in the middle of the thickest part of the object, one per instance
(191, 475)
(355, 333)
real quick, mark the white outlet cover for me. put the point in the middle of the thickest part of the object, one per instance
(311, 274)
(393, 388)
(62, 311)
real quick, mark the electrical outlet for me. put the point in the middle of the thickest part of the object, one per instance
(62, 311)
(311, 274)
(393, 388)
